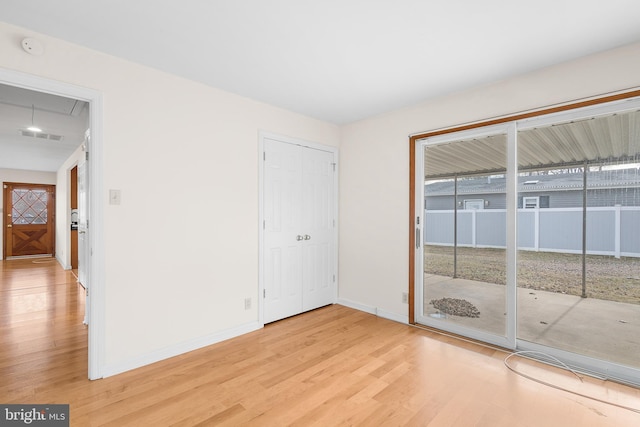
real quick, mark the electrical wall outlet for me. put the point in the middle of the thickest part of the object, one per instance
(405, 298)
(247, 303)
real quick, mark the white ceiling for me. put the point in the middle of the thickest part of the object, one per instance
(338, 60)
(62, 120)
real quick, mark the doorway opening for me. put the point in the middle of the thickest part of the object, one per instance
(91, 142)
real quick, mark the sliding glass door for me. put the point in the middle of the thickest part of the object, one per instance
(528, 235)
(464, 234)
(578, 268)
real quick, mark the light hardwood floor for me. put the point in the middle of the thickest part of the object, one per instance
(332, 366)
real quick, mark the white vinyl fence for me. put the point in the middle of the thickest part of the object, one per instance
(613, 231)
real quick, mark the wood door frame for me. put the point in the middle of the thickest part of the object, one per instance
(97, 336)
(51, 215)
(262, 135)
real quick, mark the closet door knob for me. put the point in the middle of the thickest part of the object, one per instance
(299, 237)
(307, 237)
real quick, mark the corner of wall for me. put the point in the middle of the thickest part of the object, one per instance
(400, 318)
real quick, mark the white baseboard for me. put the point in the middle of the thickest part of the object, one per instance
(62, 264)
(357, 306)
(185, 347)
(400, 318)
(374, 310)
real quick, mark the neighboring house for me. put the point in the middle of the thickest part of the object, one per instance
(562, 190)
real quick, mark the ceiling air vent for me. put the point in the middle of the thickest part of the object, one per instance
(40, 135)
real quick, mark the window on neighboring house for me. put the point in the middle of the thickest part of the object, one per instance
(531, 202)
(474, 204)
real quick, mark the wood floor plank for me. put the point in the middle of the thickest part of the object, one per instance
(334, 366)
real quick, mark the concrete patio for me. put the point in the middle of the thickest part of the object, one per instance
(592, 327)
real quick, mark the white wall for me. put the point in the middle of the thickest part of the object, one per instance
(374, 172)
(18, 175)
(182, 247)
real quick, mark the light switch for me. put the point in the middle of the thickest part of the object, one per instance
(114, 197)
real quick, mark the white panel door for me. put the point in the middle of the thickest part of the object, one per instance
(318, 228)
(282, 244)
(299, 229)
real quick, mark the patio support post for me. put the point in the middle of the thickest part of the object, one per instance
(584, 230)
(455, 226)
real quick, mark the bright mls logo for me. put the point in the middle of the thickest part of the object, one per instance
(34, 415)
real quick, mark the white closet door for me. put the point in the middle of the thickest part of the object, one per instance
(299, 229)
(282, 214)
(318, 228)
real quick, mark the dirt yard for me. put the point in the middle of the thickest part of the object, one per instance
(608, 278)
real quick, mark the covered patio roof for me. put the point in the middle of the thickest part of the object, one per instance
(614, 138)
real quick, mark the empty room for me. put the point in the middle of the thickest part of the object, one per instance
(279, 212)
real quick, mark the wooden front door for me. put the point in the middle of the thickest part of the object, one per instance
(29, 219)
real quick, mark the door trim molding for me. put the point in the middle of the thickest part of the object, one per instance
(96, 266)
(262, 135)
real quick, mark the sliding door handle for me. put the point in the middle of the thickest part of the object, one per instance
(417, 238)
